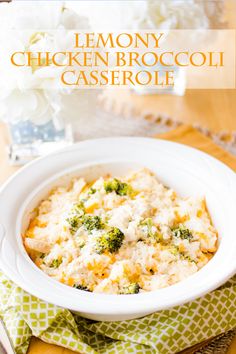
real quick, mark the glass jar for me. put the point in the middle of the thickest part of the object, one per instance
(28, 140)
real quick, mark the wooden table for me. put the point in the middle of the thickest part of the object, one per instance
(184, 134)
(213, 109)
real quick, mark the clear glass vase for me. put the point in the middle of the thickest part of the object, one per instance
(28, 140)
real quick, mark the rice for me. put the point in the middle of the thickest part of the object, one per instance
(120, 236)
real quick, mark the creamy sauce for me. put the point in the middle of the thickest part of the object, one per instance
(120, 236)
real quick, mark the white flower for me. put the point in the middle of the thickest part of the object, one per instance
(21, 105)
(41, 15)
(32, 93)
(146, 14)
(181, 14)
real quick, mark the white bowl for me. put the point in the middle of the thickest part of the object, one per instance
(188, 171)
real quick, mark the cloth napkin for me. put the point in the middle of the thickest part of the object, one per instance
(163, 332)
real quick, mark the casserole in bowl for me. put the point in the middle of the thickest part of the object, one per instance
(188, 171)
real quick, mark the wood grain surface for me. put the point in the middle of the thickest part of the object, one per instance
(211, 109)
(186, 135)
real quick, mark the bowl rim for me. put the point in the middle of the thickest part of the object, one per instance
(106, 304)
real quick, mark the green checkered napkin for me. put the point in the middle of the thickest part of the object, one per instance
(163, 332)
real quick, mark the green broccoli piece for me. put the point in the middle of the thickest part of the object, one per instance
(56, 263)
(148, 222)
(92, 222)
(81, 287)
(182, 232)
(111, 241)
(174, 250)
(187, 258)
(132, 288)
(92, 191)
(77, 218)
(114, 185)
(74, 219)
(75, 222)
(80, 242)
(78, 208)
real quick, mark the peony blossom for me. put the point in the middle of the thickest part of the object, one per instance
(146, 14)
(32, 93)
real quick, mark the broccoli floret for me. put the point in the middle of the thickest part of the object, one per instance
(74, 219)
(114, 185)
(78, 218)
(132, 288)
(149, 224)
(92, 222)
(182, 232)
(174, 250)
(81, 287)
(75, 222)
(187, 258)
(80, 242)
(56, 263)
(78, 208)
(92, 191)
(111, 241)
